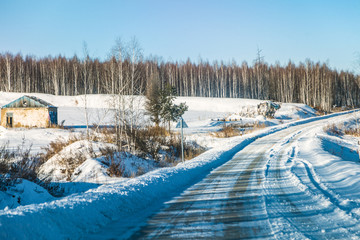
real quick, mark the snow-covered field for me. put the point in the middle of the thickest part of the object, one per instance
(100, 200)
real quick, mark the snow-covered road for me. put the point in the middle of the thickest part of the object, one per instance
(266, 191)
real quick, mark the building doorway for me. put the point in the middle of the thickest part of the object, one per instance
(9, 120)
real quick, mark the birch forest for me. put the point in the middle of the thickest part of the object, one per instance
(128, 71)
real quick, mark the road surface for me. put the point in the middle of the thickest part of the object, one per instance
(258, 194)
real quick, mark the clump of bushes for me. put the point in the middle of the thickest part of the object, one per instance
(232, 130)
(353, 132)
(149, 141)
(16, 164)
(70, 162)
(227, 131)
(333, 130)
(58, 145)
(164, 147)
(112, 159)
(339, 130)
(153, 143)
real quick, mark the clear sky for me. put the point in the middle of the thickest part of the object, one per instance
(321, 30)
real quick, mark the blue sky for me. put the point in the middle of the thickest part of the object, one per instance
(326, 31)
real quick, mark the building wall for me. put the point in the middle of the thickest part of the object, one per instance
(26, 117)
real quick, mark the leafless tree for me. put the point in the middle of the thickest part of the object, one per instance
(85, 71)
(126, 73)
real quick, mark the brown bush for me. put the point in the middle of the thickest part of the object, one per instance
(149, 141)
(105, 135)
(17, 164)
(116, 170)
(152, 142)
(5, 154)
(191, 150)
(256, 126)
(112, 159)
(58, 145)
(353, 132)
(340, 130)
(333, 129)
(71, 162)
(157, 131)
(190, 153)
(227, 131)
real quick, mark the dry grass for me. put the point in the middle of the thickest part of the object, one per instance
(333, 129)
(152, 141)
(319, 111)
(18, 125)
(339, 130)
(112, 159)
(233, 130)
(16, 164)
(57, 126)
(353, 132)
(115, 170)
(191, 152)
(71, 162)
(105, 135)
(58, 145)
(227, 131)
(257, 126)
(157, 131)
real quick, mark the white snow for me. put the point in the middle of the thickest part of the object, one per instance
(23, 193)
(101, 199)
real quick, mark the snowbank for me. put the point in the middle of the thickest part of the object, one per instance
(23, 193)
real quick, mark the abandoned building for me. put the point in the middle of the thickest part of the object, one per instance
(28, 111)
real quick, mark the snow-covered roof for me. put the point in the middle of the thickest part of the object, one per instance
(27, 101)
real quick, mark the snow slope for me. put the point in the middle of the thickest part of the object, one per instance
(71, 112)
(23, 193)
(71, 216)
(130, 201)
(201, 110)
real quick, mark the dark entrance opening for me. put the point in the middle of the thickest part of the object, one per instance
(9, 119)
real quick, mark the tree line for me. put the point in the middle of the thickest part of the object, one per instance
(127, 71)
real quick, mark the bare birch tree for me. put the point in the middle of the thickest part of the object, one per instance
(8, 67)
(85, 72)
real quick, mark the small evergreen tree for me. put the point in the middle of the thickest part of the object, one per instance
(153, 104)
(160, 104)
(170, 111)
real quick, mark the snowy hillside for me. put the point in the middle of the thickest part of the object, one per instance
(201, 118)
(201, 110)
(75, 215)
(93, 198)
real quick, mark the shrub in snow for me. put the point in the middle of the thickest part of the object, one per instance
(15, 165)
(62, 166)
(227, 131)
(333, 130)
(112, 159)
(58, 145)
(70, 162)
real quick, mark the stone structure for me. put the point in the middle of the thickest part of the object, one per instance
(28, 111)
(268, 109)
